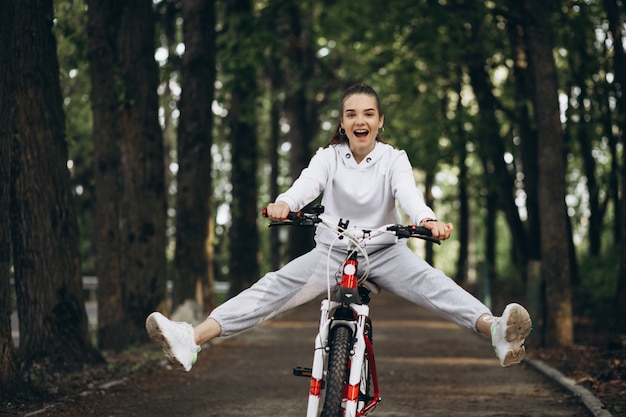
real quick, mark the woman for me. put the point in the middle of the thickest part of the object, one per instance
(361, 178)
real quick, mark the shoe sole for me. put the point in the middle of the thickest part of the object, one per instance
(518, 326)
(156, 335)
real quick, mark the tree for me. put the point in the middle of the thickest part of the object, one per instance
(463, 226)
(44, 231)
(491, 146)
(191, 262)
(291, 67)
(524, 128)
(616, 30)
(121, 52)
(555, 265)
(141, 147)
(11, 382)
(275, 78)
(101, 30)
(244, 236)
(585, 119)
(295, 22)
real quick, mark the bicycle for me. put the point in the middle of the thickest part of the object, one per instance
(343, 372)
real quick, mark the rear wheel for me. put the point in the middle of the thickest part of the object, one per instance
(340, 341)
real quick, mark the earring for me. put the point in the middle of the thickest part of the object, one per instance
(381, 130)
(342, 131)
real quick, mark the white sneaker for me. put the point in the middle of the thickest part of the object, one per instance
(175, 338)
(508, 334)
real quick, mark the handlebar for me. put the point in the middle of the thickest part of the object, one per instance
(312, 218)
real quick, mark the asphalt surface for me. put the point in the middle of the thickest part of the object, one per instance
(427, 367)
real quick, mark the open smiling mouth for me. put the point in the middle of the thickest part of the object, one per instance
(361, 133)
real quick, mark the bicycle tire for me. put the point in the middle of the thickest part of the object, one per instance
(340, 341)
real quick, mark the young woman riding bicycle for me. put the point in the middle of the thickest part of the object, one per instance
(361, 178)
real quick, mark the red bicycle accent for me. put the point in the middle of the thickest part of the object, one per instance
(349, 279)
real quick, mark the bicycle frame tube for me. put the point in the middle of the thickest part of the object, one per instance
(361, 346)
(356, 360)
(319, 359)
(369, 357)
(347, 297)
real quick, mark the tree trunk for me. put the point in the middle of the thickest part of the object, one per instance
(53, 321)
(191, 263)
(244, 236)
(141, 147)
(462, 265)
(619, 64)
(492, 150)
(489, 270)
(619, 324)
(275, 246)
(528, 136)
(129, 163)
(300, 112)
(102, 27)
(429, 199)
(11, 382)
(555, 264)
(613, 191)
(535, 288)
(584, 137)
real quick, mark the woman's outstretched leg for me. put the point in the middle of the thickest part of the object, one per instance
(398, 270)
(299, 281)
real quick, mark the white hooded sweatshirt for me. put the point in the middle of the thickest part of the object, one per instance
(364, 193)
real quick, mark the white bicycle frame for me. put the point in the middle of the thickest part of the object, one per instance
(320, 358)
(326, 324)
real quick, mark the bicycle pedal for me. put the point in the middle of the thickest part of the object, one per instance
(301, 371)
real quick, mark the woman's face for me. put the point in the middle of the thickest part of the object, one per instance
(361, 121)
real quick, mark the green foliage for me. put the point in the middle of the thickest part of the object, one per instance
(598, 281)
(416, 53)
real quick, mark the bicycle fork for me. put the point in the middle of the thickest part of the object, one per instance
(346, 310)
(357, 358)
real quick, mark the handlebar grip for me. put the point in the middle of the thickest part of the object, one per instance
(405, 232)
(294, 218)
(293, 215)
(419, 230)
(314, 211)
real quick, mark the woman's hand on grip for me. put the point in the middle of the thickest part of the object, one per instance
(277, 212)
(439, 230)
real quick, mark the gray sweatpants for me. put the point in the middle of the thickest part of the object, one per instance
(395, 269)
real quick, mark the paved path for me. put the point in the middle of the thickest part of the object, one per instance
(427, 367)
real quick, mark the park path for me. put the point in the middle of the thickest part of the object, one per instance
(427, 367)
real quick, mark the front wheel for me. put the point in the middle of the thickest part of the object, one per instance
(340, 341)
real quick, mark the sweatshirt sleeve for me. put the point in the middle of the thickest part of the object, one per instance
(406, 192)
(310, 183)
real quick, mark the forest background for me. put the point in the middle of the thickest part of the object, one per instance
(139, 141)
